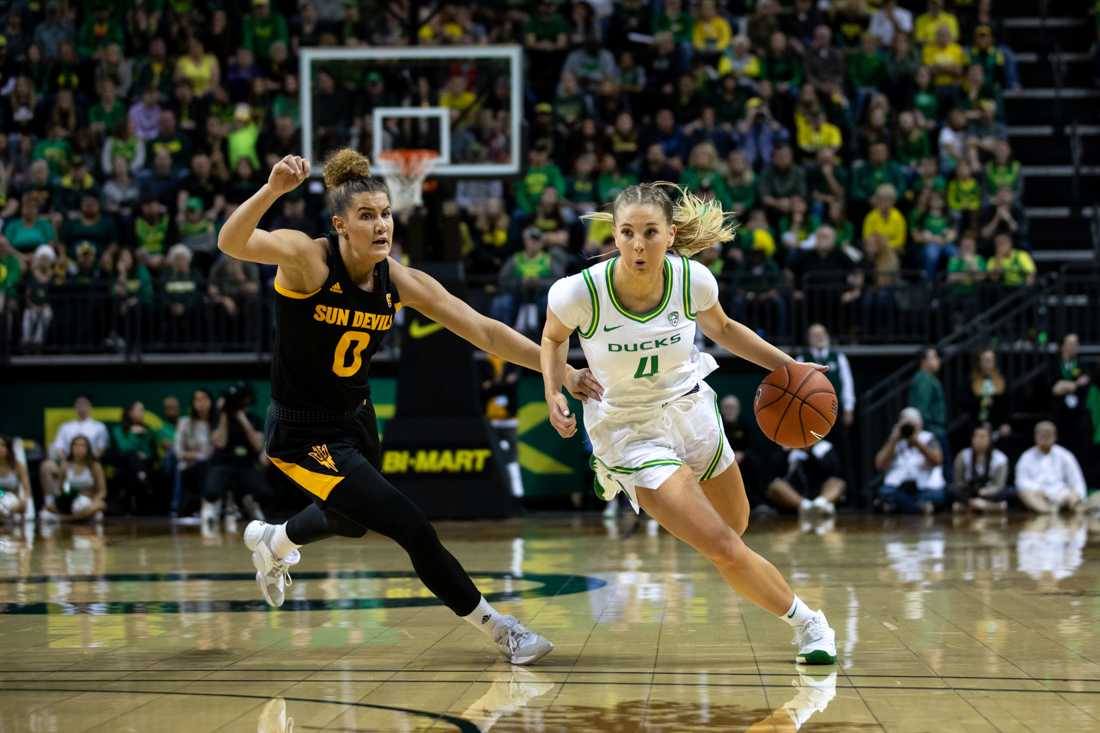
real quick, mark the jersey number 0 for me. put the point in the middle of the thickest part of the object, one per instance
(355, 342)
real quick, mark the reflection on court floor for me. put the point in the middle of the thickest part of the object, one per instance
(943, 624)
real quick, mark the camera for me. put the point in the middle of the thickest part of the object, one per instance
(237, 397)
(907, 430)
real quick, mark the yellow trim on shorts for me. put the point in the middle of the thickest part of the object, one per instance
(281, 290)
(318, 484)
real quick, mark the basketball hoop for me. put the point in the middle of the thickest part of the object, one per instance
(405, 171)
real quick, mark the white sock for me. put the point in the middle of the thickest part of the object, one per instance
(280, 543)
(805, 505)
(822, 501)
(798, 614)
(484, 617)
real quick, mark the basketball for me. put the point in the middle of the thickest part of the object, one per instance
(795, 406)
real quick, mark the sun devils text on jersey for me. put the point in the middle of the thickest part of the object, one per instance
(325, 339)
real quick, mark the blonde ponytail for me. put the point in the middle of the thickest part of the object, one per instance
(699, 224)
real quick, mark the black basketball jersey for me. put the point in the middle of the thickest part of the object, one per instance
(324, 340)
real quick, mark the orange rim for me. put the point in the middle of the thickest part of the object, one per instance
(409, 161)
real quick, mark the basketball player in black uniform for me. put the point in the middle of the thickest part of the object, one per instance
(336, 300)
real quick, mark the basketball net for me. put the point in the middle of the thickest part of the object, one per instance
(405, 171)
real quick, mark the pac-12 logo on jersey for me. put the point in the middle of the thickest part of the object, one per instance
(674, 318)
(320, 454)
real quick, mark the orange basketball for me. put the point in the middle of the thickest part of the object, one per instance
(795, 406)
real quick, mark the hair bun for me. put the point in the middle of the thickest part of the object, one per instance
(345, 165)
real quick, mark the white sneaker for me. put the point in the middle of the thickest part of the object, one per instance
(273, 718)
(518, 644)
(814, 695)
(816, 641)
(612, 509)
(825, 506)
(272, 572)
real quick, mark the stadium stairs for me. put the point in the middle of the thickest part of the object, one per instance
(1054, 126)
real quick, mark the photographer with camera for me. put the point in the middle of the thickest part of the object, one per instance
(238, 440)
(913, 462)
(981, 475)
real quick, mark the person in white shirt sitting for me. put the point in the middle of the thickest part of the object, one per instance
(84, 425)
(913, 462)
(1048, 477)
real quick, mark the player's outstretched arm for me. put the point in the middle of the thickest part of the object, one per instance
(742, 341)
(554, 352)
(423, 292)
(287, 248)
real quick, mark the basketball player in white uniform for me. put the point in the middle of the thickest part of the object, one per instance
(657, 434)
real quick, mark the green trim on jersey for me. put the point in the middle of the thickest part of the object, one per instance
(643, 317)
(721, 443)
(591, 330)
(627, 469)
(687, 289)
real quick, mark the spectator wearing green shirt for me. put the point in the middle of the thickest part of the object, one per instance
(541, 172)
(877, 170)
(133, 452)
(151, 231)
(55, 150)
(242, 139)
(866, 71)
(612, 181)
(546, 37)
(674, 19)
(741, 183)
(932, 228)
(263, 27)
(1003, 171)
(783, 66)
(183, 295)
(702, 175)
(11, 272)
(912, 141)
(781, 181)
(964, 196)
(927, 395)
(30, 230)
(90, 225)
(108, 110)
(525, 279)
(965, 271)
(100, 29)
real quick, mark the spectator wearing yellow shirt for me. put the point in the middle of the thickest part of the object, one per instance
(817, 133)
(459, 100)
(1010, 266)
(945, 59)
(199, 68)
(711, 35)
(928, 22)
(884, 219)
(742, 62)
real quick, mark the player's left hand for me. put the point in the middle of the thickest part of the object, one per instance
(582, 385)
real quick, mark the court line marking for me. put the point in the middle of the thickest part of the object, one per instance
(460, 723)
(474, 681)
(540, 669)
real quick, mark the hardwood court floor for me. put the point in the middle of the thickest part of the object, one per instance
(943, 625)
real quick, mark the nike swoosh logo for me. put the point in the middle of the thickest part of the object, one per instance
(816, 436)
(420, 330)
(611, 328)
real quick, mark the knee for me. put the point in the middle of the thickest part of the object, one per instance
(725, 549)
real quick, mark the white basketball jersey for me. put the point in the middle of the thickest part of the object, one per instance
(641, 359)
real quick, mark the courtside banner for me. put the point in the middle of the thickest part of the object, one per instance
(450, 467)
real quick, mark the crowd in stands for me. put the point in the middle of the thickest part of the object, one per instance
(863, 146)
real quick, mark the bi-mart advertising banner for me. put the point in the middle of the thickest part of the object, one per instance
(551, 467)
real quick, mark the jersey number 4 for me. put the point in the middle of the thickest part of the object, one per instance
(354, 342)
(647, 367)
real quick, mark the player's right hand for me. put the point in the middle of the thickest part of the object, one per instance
(288, 173)
(560, 416)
